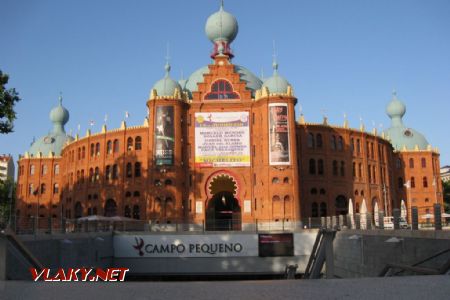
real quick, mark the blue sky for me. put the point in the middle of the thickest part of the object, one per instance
(340, 57)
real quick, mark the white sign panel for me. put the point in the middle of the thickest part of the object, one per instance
(199, 207)
(247, 206)
(214, 245)
(222, 139)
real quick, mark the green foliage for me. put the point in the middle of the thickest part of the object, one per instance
(7, 198)
(446, 191)
(7, 100)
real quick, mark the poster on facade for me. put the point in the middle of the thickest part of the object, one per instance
(164, 136)
(222, 139)
(279, 134)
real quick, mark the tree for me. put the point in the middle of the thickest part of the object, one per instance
(446, 191)
(7, 199)
(7, 100)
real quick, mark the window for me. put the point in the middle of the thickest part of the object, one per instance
(424, 162)
(30, 189)
(358, 146)
(55, 188)
(137, 169)
(276, 198)
(115, 172)
(83, 152)
(342, 168)
(335, 167)
(310, 140)
(425, 182)
(116, 146)
(43, 188)
(136, 213)
(168, 182)
(323, 209)
(352, 145)
(400, 182)
(312, 166)
(91, 175)
(92, 150)
(413, 182)
(360, 170)
(97, 174)
(354, 169)
(129, 170)
(109, 147)
(275, 180)
(138, 143)
(314, 210)
(340, 145)
(32, 168)
(128, 194)
(333, 142)
(286, 180)
(127, 212)
(221, 89)
(313, 191)
(320, 167)
(97, 149)
(129, 144)
(108, 172)
(79, 154)
(44, 169)
(322, 191)
(356, 193)
(411, 163)
(136, 194)
(370, 173)
(319, 140)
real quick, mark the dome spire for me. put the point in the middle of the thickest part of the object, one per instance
(274, 60)
(396, 110)
(167, 65)
(59, 116)
(60, 98)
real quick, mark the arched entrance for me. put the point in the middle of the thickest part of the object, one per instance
(110, 208)
(341, 205)
(223, 210)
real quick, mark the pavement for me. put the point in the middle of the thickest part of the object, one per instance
(414, 287)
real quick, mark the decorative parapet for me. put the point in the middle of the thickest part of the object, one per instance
(177, 95)
(264, 92)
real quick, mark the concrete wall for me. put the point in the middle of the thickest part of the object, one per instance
(359, 253)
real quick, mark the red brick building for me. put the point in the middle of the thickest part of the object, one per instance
(224, 148)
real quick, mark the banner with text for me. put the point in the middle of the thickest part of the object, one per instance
(222, 139)
(279, 134)
(214, 245)
(164, 136)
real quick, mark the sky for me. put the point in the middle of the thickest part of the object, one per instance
(341, 57)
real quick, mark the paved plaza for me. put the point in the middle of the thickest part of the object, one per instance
(417, 287)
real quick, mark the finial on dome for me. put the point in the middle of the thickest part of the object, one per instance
(60, 98)
(274, 60)
(221, 5)
(167, 65)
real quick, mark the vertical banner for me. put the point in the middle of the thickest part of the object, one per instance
(164, 136)
(279, 134)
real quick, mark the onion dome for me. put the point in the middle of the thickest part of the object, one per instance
(401, 136)
(166, 86)
(221, 29)
(276, 83)
(57, 137)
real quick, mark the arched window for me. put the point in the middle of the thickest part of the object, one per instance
(116, 146)
(221, 89)
(358, 146)
(91, 175)
(97, 149)
(43, 188)
(356, 193)
(354, 169)
(97, 174)
(137, 169)
(79, 153)
(129, 170)
(360, 170)
(115, 172)
(129, 144)
(136, 194)
(128, 194)
(313, 191)
(322, 191)
(30, 189)
(335, 167)
(323, 209)
(44, 169)
(32, 168)
(109, 148)
(82, 176)
(94, 210)
(413, 182)
(319, 140)
(127, 212)
(312, 166)
(276, 198)
(333, 142)
(314, 210)
(340, 145)
(55, 188)
(136, 213)
(425, 182)
(138, 143)
(83, 152)
(341, 205)
(92, 149)
(108, 172)
(168, 182)
(342, 168)
(411, 163)
(320, 167)
(110, 208)
(286, 180)
(424, 162)
(78, 209)
(310, 140)
(275, 180)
